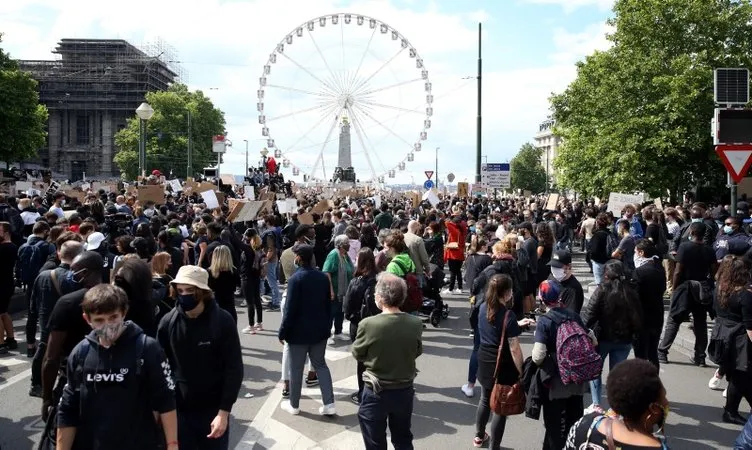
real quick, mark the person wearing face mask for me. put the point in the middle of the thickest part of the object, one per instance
(638, 405)
(67, 326)
(57, 205)
(650, 281)
(304, 234)
(202, 346)
(116, 364)
(49, 286)
(573, 297)
(734, 240)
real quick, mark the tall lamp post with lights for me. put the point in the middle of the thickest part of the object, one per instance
(144, 113)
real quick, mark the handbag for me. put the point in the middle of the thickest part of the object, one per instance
(506, 400)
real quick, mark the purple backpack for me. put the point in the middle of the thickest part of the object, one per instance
(576, 356)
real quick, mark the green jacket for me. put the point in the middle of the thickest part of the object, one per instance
(399, 262)
(331, 266)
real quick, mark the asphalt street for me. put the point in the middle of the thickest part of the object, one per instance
(443, 417)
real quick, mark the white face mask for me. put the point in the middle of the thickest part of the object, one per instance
(558, 273)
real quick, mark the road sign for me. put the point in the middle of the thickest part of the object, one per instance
(736, 158)
(429, 174)
(450, 177)
(428, 184)
(218, 144)
(495, 175)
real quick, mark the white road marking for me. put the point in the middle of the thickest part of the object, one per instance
(15, 379)
(9, 362)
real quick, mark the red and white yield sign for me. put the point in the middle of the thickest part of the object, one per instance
(429, 174)
(736, 158)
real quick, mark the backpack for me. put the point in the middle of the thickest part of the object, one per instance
(31, 258)
(612, 243)
(361, 289)
(576, 355)
(414, 300)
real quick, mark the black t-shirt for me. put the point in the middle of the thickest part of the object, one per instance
(67, 316)
(738, 308)
(696, 260)
(8, 256)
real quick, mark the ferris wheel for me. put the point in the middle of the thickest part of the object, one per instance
(345, 90)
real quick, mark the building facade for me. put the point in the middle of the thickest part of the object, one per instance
(549, 143)
(91, 89)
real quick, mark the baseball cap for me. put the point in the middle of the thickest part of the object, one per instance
(94, 241)
(549, 292)
(560, 258)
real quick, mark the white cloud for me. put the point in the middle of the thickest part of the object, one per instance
(572, 5)
(225, 45)
(571, 47)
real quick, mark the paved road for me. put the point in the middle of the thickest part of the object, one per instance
(443, 418)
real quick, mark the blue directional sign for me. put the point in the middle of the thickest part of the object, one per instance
(428, 184)
(496, 175)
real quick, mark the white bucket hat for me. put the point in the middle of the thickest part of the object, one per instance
(194, 276)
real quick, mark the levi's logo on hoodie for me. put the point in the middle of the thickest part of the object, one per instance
(118, 377)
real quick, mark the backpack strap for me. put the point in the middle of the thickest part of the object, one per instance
(501, 345)
(56, 282)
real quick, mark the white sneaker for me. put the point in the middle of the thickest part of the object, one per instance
(331, 341)
(328, 410)
(446, 291)
(286, 406)
(468, 390)
(715, 382)
(724, 392)
(339, 337)
(247, 330)
(457, 292)
(243, 304)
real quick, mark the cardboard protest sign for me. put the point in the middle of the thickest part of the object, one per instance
(151, 193)
(552, 202)
(463, 190)
(175, 185)
(235, 206)
(321, 207)
(228, 180)
(249, 211)
(306, 219)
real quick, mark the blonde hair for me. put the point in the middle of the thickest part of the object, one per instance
(221, 261)
(256, 242)
(160, 262)
(504, 246)
(24, 203)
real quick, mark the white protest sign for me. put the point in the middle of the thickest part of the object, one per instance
(23, 186)
(432, 198)
(249, 193)
(292, 205)
(210, 198)
(617, 202)
(175, 185)
(282, 207)
(377, 201)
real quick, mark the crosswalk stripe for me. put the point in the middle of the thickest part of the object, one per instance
(10, 362)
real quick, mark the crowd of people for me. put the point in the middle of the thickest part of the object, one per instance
(134, 304)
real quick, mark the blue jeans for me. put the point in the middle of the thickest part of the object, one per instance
(598, 269)
(616, 352)
(472, 371)
(194, 426)
(271, 278)
(392, 406)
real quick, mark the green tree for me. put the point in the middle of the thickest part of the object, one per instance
(22, 118)
(637, 116)
(167, 133)
(527, 172)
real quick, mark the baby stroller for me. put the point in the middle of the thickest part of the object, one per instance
(434, 307)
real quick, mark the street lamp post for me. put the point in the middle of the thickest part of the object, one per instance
(246, 157)
(144, 113)
(437, 168)
(190, 150)
(264, 152)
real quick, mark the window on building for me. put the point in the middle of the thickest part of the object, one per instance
(82, 130)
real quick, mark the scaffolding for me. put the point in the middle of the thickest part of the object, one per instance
(91, 88)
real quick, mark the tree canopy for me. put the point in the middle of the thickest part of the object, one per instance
(167, 133)
(637, 117)
(23, 120)
(527, 172)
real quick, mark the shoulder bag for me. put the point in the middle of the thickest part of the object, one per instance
(506, 400)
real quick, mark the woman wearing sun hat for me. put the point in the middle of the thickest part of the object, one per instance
(201, 342)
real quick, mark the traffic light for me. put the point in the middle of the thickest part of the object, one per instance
(732, 126)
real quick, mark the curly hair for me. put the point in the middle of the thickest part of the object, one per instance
(545, 235)
(733, 276)
(632, 386)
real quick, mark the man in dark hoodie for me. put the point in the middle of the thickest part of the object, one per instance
(203, 347)
(117, 379)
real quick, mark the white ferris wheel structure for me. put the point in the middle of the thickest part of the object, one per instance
(345, 69)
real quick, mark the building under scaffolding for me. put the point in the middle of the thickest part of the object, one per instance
(91, 90)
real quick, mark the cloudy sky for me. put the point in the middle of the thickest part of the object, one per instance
(529, 51)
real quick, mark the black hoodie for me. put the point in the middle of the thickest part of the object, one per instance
(205, 356)
(112, 391)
